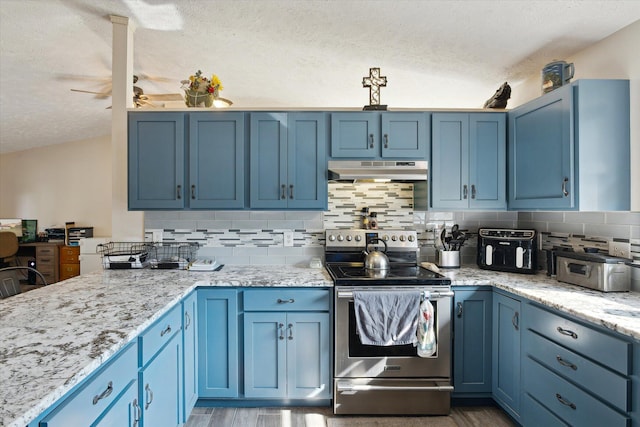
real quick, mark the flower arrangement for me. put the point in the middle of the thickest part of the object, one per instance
(201, 90)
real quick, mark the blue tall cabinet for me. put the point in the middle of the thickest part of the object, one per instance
(569, 149)
(468, 161)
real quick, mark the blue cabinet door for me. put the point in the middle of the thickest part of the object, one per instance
(156, 160)
(450, 161)
(308, 356)
(487, 161)
(265, 344)
(216, 160)
(217, 343)
(541, 150)
(268, 154)
(506, 353)
(405, 135)
(472, 325)
(355, 135)
(307, 161)
(161, 386)
(190, 353)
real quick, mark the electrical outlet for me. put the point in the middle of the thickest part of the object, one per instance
(287, 238)
(620, 249)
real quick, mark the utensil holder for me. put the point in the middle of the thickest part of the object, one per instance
(449, 259)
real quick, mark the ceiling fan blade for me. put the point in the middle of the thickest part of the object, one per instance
(89, 91)
(164, 97)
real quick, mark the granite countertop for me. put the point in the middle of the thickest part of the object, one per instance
(54, 337)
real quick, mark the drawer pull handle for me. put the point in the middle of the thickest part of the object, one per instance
(286, 301)
(565, 363)
(386, 140)
(370, 140)
(166, 331)
(473, 191)
(179, 192)
(281, 328)
(137, 412)
(565, 182)
(565, 402)
(193, 191)
(515, 320)
(149, 397)
(187, 320)
(284, 188)
(459, 313)
(290, 331)
(465, 191)
(291, 191)
(567, 332)
(98, 397)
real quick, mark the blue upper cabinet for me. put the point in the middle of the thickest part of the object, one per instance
(569, 149)
(156, 160)
(369, 135)
(288, 161)
(216, 160)
(468, 161)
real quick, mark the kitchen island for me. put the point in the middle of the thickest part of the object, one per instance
(54, 337)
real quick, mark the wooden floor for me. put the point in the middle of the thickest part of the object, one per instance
(323, 417)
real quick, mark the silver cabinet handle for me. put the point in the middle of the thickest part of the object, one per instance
(149, 397)
(166, 331)
(386, 141)
(565, 363)
(473, 191)
(290, 326)
(364, 387)
(464, 191)
(567, 332)
(286, 301)
(187, 320)
(515, 320)
(179, 192)
(291, 191)
(98, 397)
(370, 140)
(565, 181)
(284, 188)
(459, 312)
(565, 402)
(193, 191)
(137, 412)
(281, 329)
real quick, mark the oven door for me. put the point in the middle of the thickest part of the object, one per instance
(355, 360)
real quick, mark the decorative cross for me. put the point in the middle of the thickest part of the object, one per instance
(374, 82)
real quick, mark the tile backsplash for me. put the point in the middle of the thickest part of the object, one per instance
(256, 237)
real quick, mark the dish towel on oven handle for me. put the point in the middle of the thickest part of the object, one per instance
(426, 330)
(386, 318)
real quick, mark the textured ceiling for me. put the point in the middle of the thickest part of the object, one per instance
(294, 53)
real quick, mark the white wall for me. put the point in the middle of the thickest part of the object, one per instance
(615, 57)
(58, 184)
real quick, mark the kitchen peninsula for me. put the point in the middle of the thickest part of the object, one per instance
(56, 336)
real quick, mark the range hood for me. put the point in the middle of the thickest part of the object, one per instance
(389, 170)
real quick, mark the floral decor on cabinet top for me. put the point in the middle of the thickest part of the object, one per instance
(201, 90)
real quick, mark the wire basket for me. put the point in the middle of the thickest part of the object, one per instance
(176, 255)
(126, 255)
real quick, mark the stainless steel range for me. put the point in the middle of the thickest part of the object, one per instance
(387, 379)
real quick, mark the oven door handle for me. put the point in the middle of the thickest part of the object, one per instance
(426, 294)
(365, 387)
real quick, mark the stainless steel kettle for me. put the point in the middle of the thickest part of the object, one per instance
(376, 260)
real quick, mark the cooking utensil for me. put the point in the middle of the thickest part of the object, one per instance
(218, 268)
(442, 237)
(376, 260)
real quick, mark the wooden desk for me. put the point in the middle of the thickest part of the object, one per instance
(47, 256)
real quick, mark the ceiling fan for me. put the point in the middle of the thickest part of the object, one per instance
(140, 99)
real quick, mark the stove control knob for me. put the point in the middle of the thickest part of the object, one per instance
(332, 237)
(411, 238)
(358, 238)
(394, 237)
(340, 237)
(402, 238)
(349, 237)
(385, 238)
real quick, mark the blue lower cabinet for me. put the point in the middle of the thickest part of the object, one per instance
(506, 353)
(190, 353)
(472, 342)
(287, 355)
(160, 386)
(217, 343)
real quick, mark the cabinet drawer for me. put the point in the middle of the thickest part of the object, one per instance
(158, 334)
(49, 251)
(45, 261)
(70, 255)
(568, 402)
(69, 270)
(534, 414)
(590, 376)
(87, 403)
(606, 349)
(283, 299)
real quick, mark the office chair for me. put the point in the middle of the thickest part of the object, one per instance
(8, 248)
